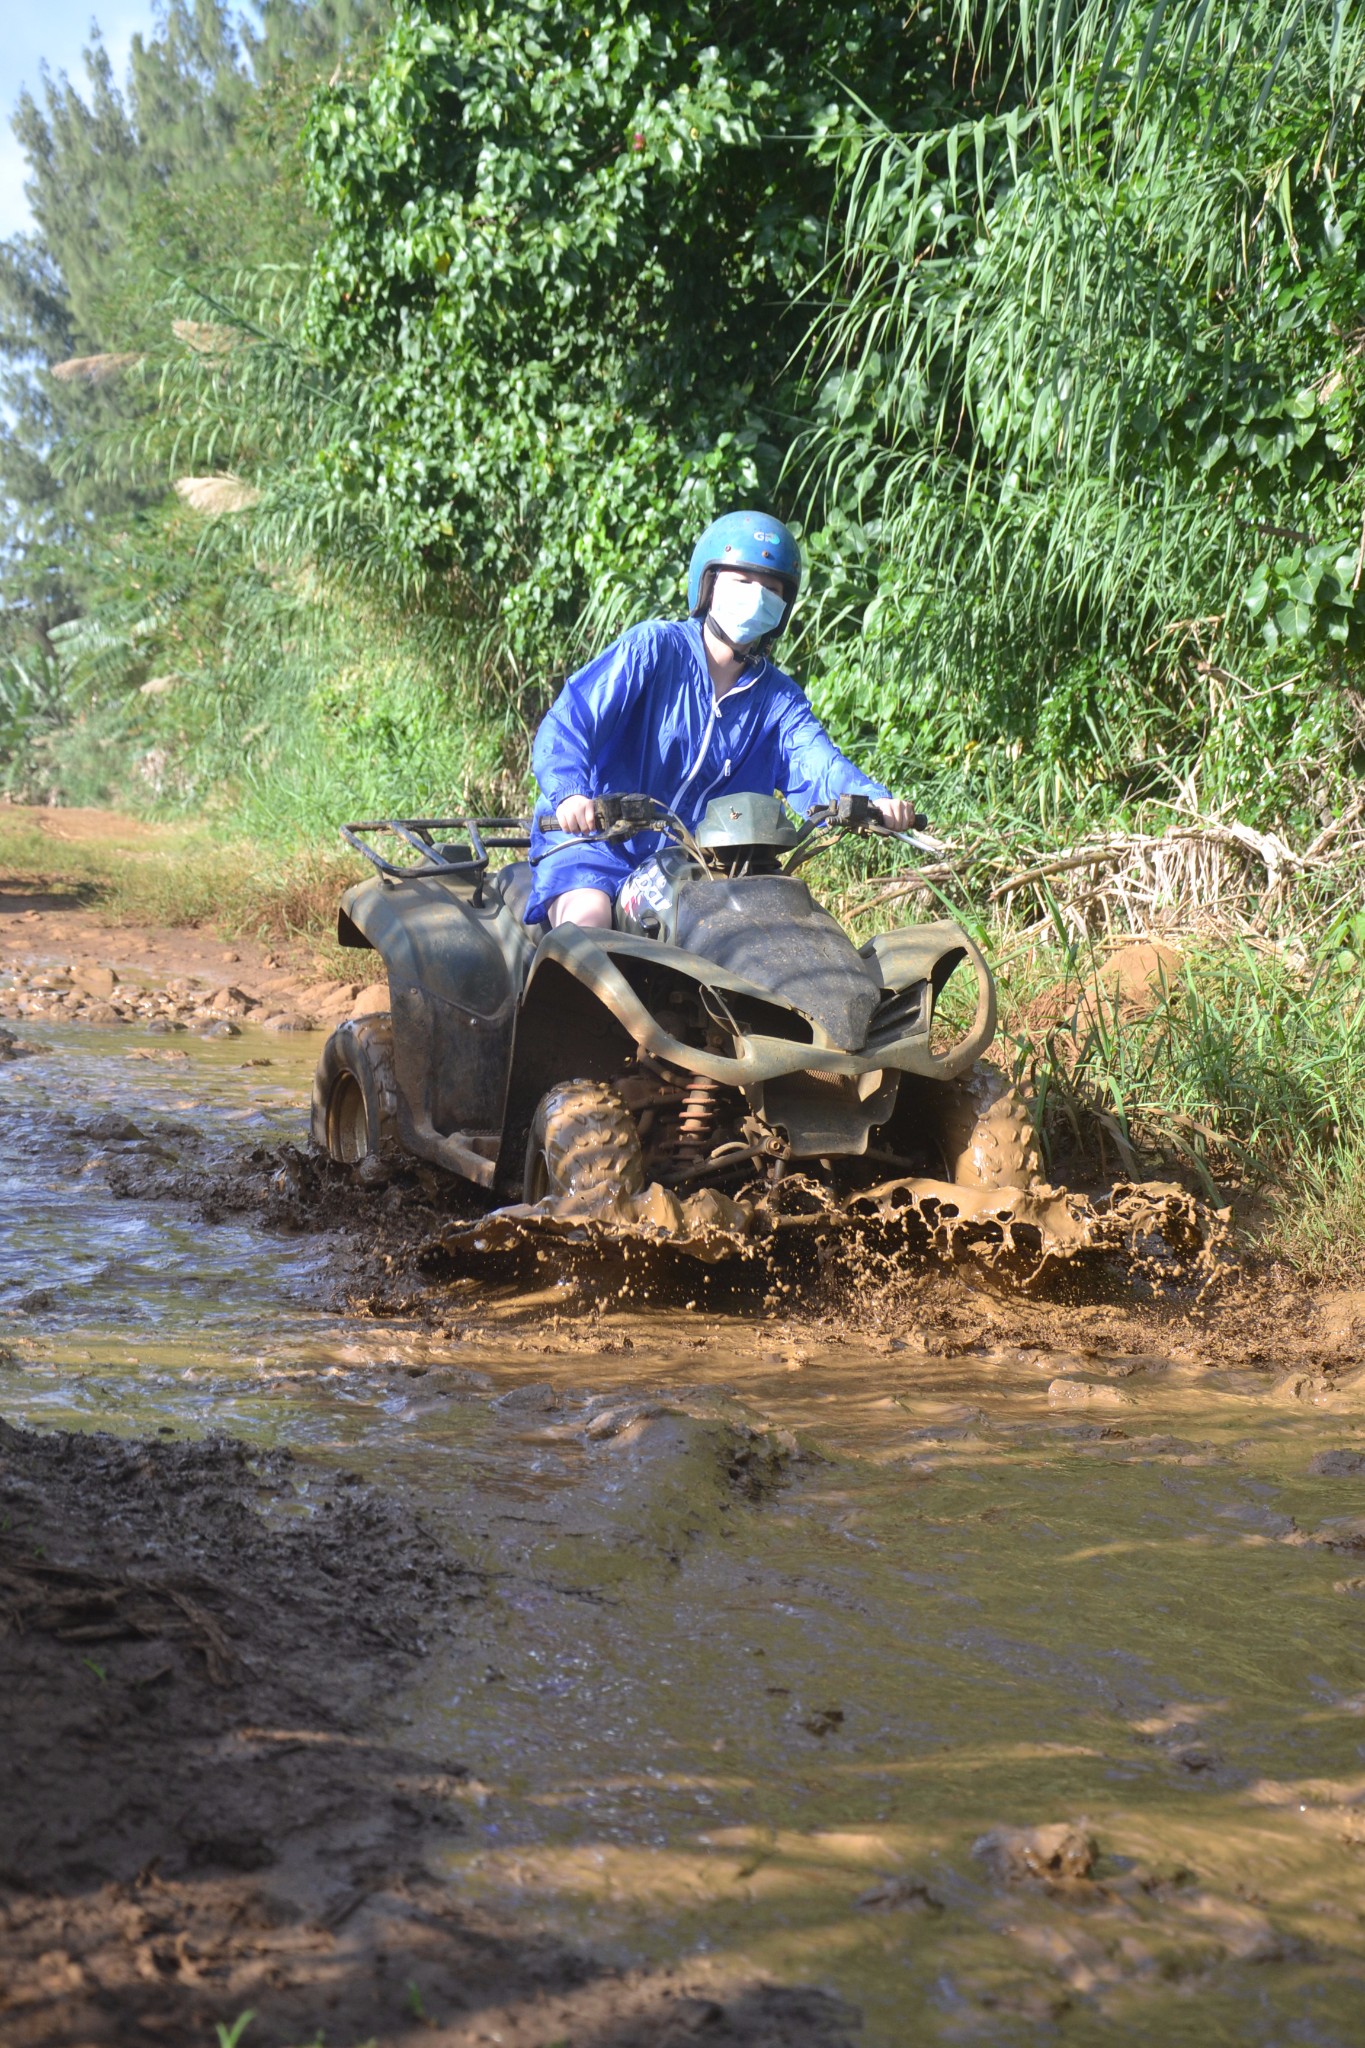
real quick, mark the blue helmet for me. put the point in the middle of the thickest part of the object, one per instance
(745, 540)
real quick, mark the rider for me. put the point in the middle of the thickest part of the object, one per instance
(684, 711)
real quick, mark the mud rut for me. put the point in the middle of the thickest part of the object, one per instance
(406, 1650)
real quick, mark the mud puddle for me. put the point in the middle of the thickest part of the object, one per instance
(990, 1669)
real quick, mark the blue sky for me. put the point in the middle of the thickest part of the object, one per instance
(57, 30)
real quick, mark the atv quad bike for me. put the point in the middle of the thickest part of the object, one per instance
(726, 1058)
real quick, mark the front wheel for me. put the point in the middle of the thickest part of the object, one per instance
(355, 1094)
(584, 1142)
(986, 1132)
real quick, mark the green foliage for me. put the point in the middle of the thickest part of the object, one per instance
(1086, 426)
(1246, 1066)
(567, 253)
(1043, 324)
(32, 708)
(189, 167)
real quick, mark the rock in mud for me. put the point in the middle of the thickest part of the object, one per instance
(1337, 1464)
(96, 981)
(1087, 1394)
(663, 1477)
(1063, 1852)
(541, 1399)
(289, 1020)
(231, 1002)
(12, 1048)
(901, 1894)
(1299, 1386)
(1343, 1532)
(109, 1129)
(371, 1001)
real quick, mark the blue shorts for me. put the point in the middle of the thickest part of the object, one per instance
(574, 863)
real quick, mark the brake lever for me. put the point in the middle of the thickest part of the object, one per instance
(923, 842)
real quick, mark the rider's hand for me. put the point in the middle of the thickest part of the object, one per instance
(895, 813)
(577, 814)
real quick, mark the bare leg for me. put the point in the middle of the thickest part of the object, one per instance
(589, 907)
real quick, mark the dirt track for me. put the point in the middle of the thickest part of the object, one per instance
(549, 1651)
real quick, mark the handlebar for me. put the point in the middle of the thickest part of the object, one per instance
(859, 813)
(621, 817)
(618, 817)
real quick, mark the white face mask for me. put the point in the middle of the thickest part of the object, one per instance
(745, 611)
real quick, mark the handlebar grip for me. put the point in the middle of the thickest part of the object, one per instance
(918, 821)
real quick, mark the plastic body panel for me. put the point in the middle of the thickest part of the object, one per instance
(488, 1015)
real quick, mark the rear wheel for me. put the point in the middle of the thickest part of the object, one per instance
(583, 1142)
(986, 1132)
(355, 1095)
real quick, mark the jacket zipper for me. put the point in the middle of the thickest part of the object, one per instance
(702, 752)
(722, 777)
(705, 748)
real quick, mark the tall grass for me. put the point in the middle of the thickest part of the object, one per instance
(1245, 1070)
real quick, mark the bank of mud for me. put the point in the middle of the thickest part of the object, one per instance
(554, 1647)
(207, 1811)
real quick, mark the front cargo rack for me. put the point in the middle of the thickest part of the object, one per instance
(467, 858)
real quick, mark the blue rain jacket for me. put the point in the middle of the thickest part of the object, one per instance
(643, 718)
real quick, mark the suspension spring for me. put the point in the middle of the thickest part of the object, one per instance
(698, 1114)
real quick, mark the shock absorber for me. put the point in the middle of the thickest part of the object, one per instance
(698, 1114)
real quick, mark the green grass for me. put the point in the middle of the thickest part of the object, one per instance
(1243, 1076)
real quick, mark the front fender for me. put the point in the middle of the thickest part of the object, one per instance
(930, 952)
(579, 1015)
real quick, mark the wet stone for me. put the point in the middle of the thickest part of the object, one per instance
(1086, 1394)
(96, 981)
(109, 1129)
(538, 1400)
(900, 1894)
(38, 1300)
(1337, 1465)
(1064, 1850)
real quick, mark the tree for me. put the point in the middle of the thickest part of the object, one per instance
(1089, 407)
(188, 170)
(563, 272)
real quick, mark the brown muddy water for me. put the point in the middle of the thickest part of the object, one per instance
(792, 1617)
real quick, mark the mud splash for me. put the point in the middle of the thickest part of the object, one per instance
(1154, 1227)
